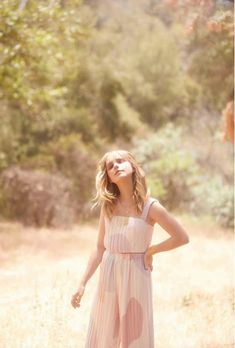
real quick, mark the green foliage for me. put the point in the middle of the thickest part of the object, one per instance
(174, 177)
(210, 48)
(32, 67)
(70, 156)
(177, 171)
(150, 76)
(32, 54)
(170, 169)
(75, 161)
(129, 117)
(156, 87)
(208, 40)
(75, 79)
(215, 197)
(5, 206)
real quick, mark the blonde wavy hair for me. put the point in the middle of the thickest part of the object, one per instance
(108, 192)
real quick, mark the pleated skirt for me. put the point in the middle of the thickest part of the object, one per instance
(122, 309)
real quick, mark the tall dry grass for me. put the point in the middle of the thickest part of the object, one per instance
(40, 270)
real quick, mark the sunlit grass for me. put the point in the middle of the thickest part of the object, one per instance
(193, 288)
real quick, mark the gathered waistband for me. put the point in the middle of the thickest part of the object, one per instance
(129, 254)
(125, 252)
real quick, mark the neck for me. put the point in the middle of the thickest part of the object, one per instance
(126, 191)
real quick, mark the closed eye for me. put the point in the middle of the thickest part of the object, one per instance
(118, 160)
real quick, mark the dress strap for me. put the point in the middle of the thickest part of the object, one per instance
(147, 205)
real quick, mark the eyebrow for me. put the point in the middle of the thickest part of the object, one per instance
(107, 163)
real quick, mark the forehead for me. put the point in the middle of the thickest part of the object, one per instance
(114, 156)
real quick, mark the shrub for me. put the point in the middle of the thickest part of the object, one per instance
(215, 197)
(37, 198)
(170, 169)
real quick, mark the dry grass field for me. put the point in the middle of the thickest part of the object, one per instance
(40, 270)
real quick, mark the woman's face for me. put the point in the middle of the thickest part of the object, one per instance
(118, 168)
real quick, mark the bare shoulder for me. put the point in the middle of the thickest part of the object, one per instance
(156, 212)
(159, 214)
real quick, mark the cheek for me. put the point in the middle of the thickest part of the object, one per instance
(110, 174)
(127, 166)
(107, 174)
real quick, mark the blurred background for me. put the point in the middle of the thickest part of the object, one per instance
(79, 78)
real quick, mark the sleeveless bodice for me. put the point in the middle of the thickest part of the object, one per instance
(126, 234)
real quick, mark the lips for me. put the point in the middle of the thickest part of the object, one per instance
(118, 171)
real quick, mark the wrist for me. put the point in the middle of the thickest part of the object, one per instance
(151, 250)
(82, 285)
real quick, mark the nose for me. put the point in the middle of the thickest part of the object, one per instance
(115, 165)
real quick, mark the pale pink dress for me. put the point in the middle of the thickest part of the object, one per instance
(122, 308)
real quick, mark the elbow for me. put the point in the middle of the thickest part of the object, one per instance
(185, 239)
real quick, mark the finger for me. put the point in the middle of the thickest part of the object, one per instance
(75, 302)
(75, 305)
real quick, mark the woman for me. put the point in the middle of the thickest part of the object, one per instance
(122, 308)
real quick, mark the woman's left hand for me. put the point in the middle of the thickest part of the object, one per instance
(148, 261)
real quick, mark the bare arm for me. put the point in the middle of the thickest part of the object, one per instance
(159, 214)
(96, 255)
